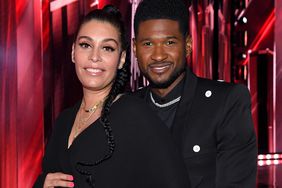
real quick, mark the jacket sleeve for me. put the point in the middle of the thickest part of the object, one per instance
(237, 149)
(50, 160)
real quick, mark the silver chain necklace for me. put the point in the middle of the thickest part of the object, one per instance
(165, 104)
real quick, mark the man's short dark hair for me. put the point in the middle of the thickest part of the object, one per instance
(162, 9)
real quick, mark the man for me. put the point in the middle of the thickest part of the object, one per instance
(209, 120)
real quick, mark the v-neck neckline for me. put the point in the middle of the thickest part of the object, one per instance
(70, 126)
(80, 134)
(72, 120)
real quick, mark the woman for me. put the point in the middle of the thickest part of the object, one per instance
(107, 139)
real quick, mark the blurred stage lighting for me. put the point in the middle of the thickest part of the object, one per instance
(269, 159)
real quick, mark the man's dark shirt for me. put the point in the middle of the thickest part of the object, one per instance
(166, 114)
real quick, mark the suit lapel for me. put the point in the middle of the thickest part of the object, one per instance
(182, 117)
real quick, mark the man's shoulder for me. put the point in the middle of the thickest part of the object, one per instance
(218, 85)
(214, 83)
(222, 88)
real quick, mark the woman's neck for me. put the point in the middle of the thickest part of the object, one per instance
(91, 98)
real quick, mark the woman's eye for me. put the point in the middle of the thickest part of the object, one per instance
(108, 48)
(84, 45)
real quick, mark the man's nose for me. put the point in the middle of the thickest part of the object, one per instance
(159, 54)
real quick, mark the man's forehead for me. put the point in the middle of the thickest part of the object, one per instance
(159, 28)
(158, 37)
(159, 23)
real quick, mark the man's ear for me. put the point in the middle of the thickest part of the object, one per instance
(122, 59)
(134, 46)
(188, 45)
(72, 54)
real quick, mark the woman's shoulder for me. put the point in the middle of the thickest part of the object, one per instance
(134, 110)
(67, 112)
(132, 103)
(66, 116)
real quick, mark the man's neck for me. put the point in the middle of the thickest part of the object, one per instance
(164, 91)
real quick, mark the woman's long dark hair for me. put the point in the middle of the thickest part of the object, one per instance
(109, 14)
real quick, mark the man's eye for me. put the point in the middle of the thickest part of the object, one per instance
(147, 43)
(84, 45)
(108, 48)
(170, 42)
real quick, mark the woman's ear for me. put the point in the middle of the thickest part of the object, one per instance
(72, 54)
(122, 59)
(188, 45)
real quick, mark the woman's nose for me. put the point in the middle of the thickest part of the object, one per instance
(95, 55)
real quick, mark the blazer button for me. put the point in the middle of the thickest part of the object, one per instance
(196, 148)
(208, 93)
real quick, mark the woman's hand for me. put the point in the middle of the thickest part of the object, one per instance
(58, 179)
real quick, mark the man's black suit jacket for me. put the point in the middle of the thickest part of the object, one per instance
(214, 131)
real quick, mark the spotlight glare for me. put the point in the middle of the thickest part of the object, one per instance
(96, 2)
(245, 20)
(260, 163)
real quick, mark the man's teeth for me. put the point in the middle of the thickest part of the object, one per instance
(160, 68)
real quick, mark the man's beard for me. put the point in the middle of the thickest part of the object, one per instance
(168, 82)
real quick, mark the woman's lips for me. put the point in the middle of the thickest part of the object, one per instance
(94, 71)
